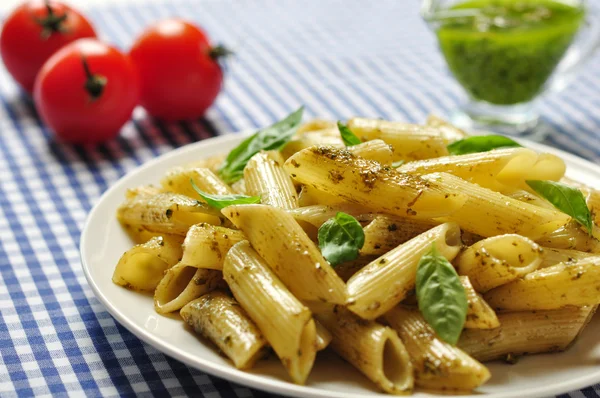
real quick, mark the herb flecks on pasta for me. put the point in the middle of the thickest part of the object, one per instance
(430, 232)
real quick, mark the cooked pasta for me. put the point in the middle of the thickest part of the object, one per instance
(437, 364)
(409, 141)
(368, 183)
(220, 318)
(284, 321)
(284, 245)
(527, 332)
(372, 348)
(554, 287)
(385, 281)
(498, 260)
(329, 257)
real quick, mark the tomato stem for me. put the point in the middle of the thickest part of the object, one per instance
(94, 83)
(52, 23)
(219, 51)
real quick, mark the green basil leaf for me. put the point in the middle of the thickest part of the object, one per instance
(397, 164)
(222, 201)
(441, 297)
(567, 199)
(480, 143)
(349, 138)
(271, 138)
(340, 238)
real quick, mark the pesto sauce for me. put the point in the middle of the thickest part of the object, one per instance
(504, 51)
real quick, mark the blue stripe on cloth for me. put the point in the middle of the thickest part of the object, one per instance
(339, 59)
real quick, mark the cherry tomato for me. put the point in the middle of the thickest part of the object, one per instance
(179, 70)
(86, 91)
(36, 30)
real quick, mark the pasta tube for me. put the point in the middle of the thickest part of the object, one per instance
(213, 163)
(570, 236)
(527, 332)
(410, 141)
(479, 314)
(376, 150)
(290, 253)
(330, 137)
(502, 170)
(448, 132)
(143, 266)
(205, 245)
(554, 256)
(386, 232)
(490, 213)
(177, 180)
(323, 336)
(498, 260)
(284, 321)
(166, 213)
(551, 288)
(317, 125)
(265, 177)
(316, 215)
(372, 348)
(182, 284)
(310, 196)
(221, 319)
(138, 234)
(384, 282)
(437, 364)
(368, 183)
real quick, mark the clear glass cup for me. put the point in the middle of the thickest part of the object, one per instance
(505, 73)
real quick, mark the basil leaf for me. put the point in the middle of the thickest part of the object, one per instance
(349, 138)
(567, 199)
(271, 138)
(340, 238)
(222, 201)
(480, 143)
(397, 164)
(441, 297)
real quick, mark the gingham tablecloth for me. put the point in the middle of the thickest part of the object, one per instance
(338, 58)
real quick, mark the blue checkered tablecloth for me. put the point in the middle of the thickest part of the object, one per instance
(338, 58)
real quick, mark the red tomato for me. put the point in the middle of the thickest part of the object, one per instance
(36, 30)
(86, 91)
(178, 68)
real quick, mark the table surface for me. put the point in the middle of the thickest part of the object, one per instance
(338, 58)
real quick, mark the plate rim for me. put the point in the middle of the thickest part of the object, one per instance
(230, 373)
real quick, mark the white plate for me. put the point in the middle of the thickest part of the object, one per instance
(103, 242)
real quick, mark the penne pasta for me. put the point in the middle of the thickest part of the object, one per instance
(558, 286)
(368, 183)
(552, 257)
(503, 170)
(385, 232)
(527, 332)
(448, 132)
(205, 245)
(316, 215)
(142, 267)
(372, 348)
(330, 137)
(182, 284)
(166, 213)
(310, 196)
(213, 163)
(264, 176)
(317, 125)
(479, 314)
(384, 282)
(290, 253)
(139, 234)
(220, 318)
(489, 213)
(437, 364)
(323, 336)
(284, 321)
(177, 180)
(409, 141)
(498, 260)
(376, 150)
(571, 237)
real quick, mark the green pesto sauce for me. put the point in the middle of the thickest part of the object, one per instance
(504, 51)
